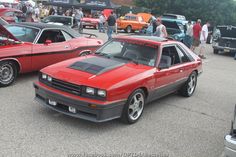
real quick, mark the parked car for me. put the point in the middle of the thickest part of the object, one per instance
(8, 15)
(230, 139)
(90, 22)
(3, 22)
(174, 16)
(131, 23)
(27, 47)
(226, 41)
(60, 20)
(119, 79)
(175, 28)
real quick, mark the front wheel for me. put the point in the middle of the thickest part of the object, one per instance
(133, 108)
(215, 51)
(189, 87)
(8, 73)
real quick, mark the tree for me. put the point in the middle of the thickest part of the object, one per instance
(216, 11)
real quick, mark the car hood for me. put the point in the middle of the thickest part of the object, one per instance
(227, 31)
(99, 72)
(170, 24)
(5, 33)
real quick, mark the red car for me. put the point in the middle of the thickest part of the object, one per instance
(28, 47)
(90, 22)
(8, 15)
(119, 79)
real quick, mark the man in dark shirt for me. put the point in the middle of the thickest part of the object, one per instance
(111, 22)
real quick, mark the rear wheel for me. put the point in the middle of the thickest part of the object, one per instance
(128, 29)
(96, 27)
(133, 109)
(189, 87)
(8, 73)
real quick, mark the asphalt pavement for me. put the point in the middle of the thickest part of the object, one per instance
(173, 126)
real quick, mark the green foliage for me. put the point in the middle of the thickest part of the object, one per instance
(216, 11)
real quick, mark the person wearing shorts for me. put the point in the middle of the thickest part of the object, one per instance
(196, 34)
(203, 39)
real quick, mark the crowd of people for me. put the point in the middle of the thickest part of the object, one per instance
(195, 34)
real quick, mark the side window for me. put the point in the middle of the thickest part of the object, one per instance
(55, 36)
(183, 57)
(171, 54)
(133, 18)
(67, 36)
(9, 14)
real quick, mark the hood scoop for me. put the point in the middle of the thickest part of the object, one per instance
(96, 65)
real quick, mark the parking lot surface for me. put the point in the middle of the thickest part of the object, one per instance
(170, 127)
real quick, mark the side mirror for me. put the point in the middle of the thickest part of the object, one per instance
(163, 66)
(47, 42)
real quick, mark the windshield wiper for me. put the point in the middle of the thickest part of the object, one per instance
(103, 54)
(126, 58)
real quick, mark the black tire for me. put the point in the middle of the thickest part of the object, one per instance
(185, 90)
(139, 106)
(128, 29)
(215, 51)
(96, 27)
(8, 73)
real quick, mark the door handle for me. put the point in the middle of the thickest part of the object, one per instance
(181, 70)
(66, 47)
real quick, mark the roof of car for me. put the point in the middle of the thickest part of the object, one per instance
(150, 38)
(50, 26)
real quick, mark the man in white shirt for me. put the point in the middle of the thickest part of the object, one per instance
(203, 39)
(188, 40)
(161, 29)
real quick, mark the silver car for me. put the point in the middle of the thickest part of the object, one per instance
(230, 140)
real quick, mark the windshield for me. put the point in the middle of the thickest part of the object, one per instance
(139, 53)
(23, 33)
(54, 19)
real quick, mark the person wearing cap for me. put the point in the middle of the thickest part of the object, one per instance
(160, 29)
(203, 39)
(197, 28)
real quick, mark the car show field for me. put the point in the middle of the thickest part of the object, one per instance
(170, 127)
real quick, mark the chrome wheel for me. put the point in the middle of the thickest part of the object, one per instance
(6, 73)
(136, 106)
(192, 84)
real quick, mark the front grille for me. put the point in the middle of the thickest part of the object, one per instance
(63, 86)
(227, 43)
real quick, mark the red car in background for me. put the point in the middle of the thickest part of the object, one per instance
(90, 22)
(8, 15)
(27, 47)
(119, 79)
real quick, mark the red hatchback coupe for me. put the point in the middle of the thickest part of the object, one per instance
(27, 47)
(119, 79)
(8, 15)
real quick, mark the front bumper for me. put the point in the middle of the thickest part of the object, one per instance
(230, 146)
(101, 113)
(225, 49)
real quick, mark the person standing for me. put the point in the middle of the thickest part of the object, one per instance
(188, 40)
(111, 22)
(101, 23)
(203, 39)
(79, 16)
(160, 29)
(196, 34)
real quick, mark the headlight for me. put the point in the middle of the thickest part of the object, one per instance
(44, 76)
(90, 91)
(49, 79)
(102, 93)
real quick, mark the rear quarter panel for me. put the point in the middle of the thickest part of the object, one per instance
(19, 52)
